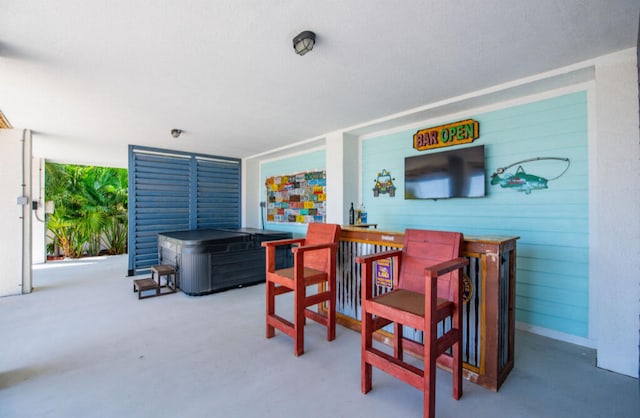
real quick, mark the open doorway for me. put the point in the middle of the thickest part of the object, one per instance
(88, 213)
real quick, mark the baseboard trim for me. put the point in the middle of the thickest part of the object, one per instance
(556, 335)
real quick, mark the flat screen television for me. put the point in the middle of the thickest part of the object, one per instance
(442, 175)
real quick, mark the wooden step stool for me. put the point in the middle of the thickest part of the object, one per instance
(143, 285)
(171, 278)
(155, 282)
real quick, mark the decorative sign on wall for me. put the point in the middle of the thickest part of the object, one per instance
(384, 184)
(522, 181)
(462, 132)
(298, 198)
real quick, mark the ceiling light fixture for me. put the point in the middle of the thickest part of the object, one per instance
(176, 132)
(304, 42)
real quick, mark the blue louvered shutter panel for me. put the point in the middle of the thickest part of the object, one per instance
(176, 191)
(218, 191)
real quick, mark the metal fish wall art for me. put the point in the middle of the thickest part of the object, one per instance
(522, 181)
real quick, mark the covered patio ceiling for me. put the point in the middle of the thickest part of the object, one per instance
(91, 77)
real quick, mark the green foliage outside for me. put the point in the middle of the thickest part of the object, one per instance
(90, 209)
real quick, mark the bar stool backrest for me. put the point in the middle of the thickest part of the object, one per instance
(425, 248)
(318, 233)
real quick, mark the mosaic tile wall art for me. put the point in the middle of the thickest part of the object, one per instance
(298, 198)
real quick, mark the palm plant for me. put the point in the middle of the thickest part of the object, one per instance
(64, 233)
(113, 186)
(115, 235)
(91, 208)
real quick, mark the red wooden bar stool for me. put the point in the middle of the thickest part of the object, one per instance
(427, 291)
(314, 263)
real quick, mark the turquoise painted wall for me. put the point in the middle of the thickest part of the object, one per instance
(314, 160)
(552, 265)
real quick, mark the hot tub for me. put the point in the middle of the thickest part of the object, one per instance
(213, 260)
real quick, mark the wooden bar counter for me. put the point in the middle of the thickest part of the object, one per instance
(489, 314)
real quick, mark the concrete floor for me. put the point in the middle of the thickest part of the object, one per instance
(82, 345)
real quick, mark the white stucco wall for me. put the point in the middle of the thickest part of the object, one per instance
(39, 252)
(615, 213)
(11, 244)
(342, 175)
(251, 194)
